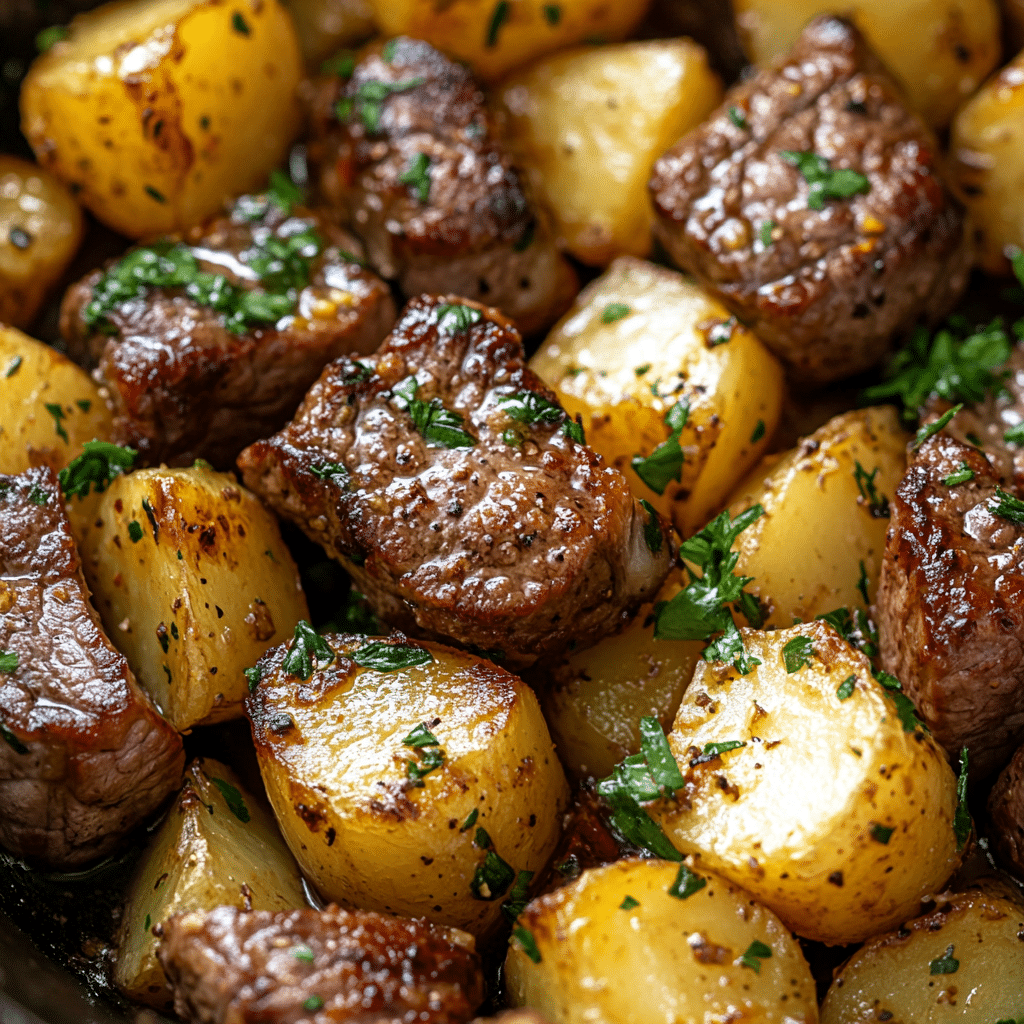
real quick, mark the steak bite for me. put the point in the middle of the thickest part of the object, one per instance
(448, 481)
(811, 205)
(407, 147)
(86, 756)
(1006, 809)
(208, 343)
(230, 966)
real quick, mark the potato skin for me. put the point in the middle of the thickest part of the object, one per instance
(889, 978)
(207, 588)
(811, 499)
(939, 52)
(794, 815)
(606, 371)
(40, 231)
(335, 768)
(155, 136)
(667, 959)
(203, 856)
(587, 126)
(33, 376)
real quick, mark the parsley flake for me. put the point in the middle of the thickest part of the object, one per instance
(529, 407)
(417, 176)
(614, 311)
(629, 903)
(756, 952)
(824, 182)
(931, 429)
(758, 433)
(882, 834)
(962, 476)
(38, 496)
(453, 317)
(862, 582)
(470, 821)
(518, 897)
(905, 710)
(13, 366)
(846, 688)
(552, 14)
(440, 427)
(134, 531)
(797, 653)
(313, 1003)
(8, 661)
(764, 233)
(49, 37)
(421, 736)
(629, 820)
(962, 824)
(341, 65)
(653, 535)
(11, 740)
(239, 24)
(54, 409)
(573, 429)
(334, 471)
(527, 942)
(723, 747)
(492, 878)
(253, 676)
(236, 805)
(303, 953)
(945, 964)
(686, 883)
(665, 463)
(384, 657)
(308, 648)
(738, 119)
(368, 101)
(1007, 506)
(498, 18)
(878, 504)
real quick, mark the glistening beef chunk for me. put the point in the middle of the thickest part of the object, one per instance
(443, 475)
(229, 966)
(408, 148)
(209, 342)
(1006, 809)
(825, 267)
(86, 757)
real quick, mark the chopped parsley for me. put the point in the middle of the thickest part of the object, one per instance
(313, 1003)
(13, 366)
(369, 100)
(154, 194)
(307, 649)
(642, 369)
(54, 409)
(882, 834)
(518, 897)
(552, 14)
(470, 821)
(134, 531)
(962, 818)
(385, 657)
(905, 710)
(529, 407)
(665, 463)
(239, 24)
(303, 953)
(498, 18)
(756, 952)
(862, 582)
(39, 497)
(421, 736)
(253, 676)
(49, 37)
(825, 183)
(11, 740)
(527, 942)
(1015, 435)
(846, 688)
(649, 774)
(878, 504)
(492, 878)
(713, 750)
(797, 653)
(931, 429)
(1007, 506)
(614, 311)
(8, 661)
(573, 429)
(440, 427)
(686, 883)
(653, 535)
(330, 471)
(629, 903)
(764, 233)
(342, 65)
(738, 118)
(417, 177)
(758, 432)
(630, 821)
(945, 964)
(453, 317)
(962, 476)
(236, 805)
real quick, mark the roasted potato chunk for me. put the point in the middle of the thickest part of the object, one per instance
(156, 113)
(216, 847)
(493, 38)
(835, 484)
(960, 962)
(823, 799)
(50, 407)
(406, 777)
(642, 344)
(940, 53)
(634, 942)
(587, 126)
(193, 582)
(40, 231)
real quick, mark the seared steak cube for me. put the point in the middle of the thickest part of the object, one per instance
(1006, 809)
(811, 205)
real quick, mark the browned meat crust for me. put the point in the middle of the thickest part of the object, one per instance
(86, 756)
(825, 289)
(185, 387)
(229, 966)
(1006, 808)
(470, 229)
(524, 541)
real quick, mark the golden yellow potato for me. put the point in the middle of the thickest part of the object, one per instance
(987, 165)
(826, 515)
(830, 812)
(939, 52)
(193, 583)
(587, 126)
(157, 112)
(49, 407)
(910, 976)
(216, 847)
(618, 945)
(495, 36)
(406, 777)
(325, 26)
(40, 231)
(593, 700)
(639, 341)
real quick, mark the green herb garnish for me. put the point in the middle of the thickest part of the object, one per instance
(552, 14)
(686, 883)
(846, 688)
(134, 531)
(239, 24)
(757, 952)
(13, 366)
(303, 953)
(526, 940)
(797, 653)
(665, 463)
(453, 317)
(758, 432)
(307, 649)
(764, 233)
(492, 878)
(882, 834)
(1007, 506)
(614, 311)
(878, 504)
(931, 429)
(825, 183)
(905, 710)
(738, 119)
(440, 427)
(11, 740)
(529, 407)
(962, 476)
(945, 964)
(253, 676)
(369, 100)
(518, 897)
(962, 824)
(653, 535)
(417, 176)
(313, 1003)
(49, 37)
(54, 409)
(629, 903)
(8, 661)
(236, 805)
(385, 657)
(498, 18)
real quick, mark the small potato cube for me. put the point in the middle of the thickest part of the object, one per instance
(495, 36)
(633, 942)
(40, 231)
(407, 777)
(639, 341)
(961, 962)
(49, 406)
(987, 166)
(940, 52)
(158, 112)
(216, 847)
(193, 582)
(815, 797)
(819, 545)
(587, 126)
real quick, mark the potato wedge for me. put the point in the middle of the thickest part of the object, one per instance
(819, 544)
(987, 165)
(594, 699)
(619, 945)
(406, 777)
(830, 813)
(961, 962)
(324, 26)
(193, 582)
(155, 113)
(587, 126)
(940, 53)
(40, 231)
(638, 341)
(217, 846)
(50, 406)
(495, 36)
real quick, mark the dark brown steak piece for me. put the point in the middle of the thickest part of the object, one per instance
(86, 756)
(1006, 808)
(183, 386)
(825, 289)
(462, 225)
(229, 966)
(523, 540)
